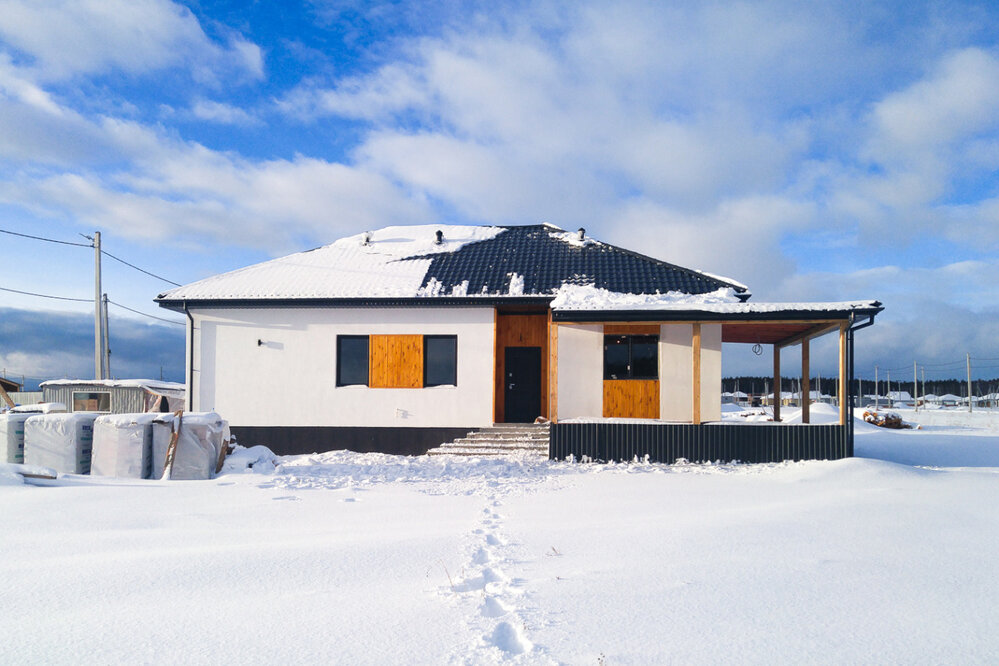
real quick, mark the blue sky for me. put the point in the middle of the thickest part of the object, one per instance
(818, 151)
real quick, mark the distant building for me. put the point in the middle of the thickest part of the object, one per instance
(115, 396)
(9, 385)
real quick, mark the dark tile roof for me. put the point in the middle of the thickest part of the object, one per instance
(546, 262)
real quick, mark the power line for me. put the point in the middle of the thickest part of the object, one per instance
(104, 252)
(47, 240)
(125, 307)
(87, 300)
(58, 298)
(108, 254)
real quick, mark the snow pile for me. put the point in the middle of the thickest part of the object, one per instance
(123, 445)
(572, 238)
(63, 442)
(589, 297)
(373, 264)
(9, 475)
(118, 383)
(516, 284)
(722, 301)
(40, 408)
(257, 459)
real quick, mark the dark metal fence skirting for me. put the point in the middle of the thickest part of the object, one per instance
(667, 442)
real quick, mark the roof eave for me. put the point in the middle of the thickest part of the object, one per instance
(178, 305)
(649, 315)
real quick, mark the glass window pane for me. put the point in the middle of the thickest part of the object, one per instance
(616, 359)
(352, 360)
(91, 402)
(440, 359)
(645, 357)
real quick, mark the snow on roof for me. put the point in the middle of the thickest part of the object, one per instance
(571, 297)
(367, 265)
(472, 261)
(150, 384)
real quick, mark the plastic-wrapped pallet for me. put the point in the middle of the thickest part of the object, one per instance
(12, 436)
(162, 430)
(202, 436)
(123, 445)
(63, 442)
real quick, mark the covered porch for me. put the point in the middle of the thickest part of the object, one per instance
(687, 424)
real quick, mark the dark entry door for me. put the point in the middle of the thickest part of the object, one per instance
(522, 388)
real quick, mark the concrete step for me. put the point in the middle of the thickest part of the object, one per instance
(500, 439)
(530, 437)
(497, 443)
(486, 451)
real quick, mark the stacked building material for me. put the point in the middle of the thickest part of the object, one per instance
(63, 442)
(123, 445)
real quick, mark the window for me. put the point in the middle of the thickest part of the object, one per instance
(631, 357)
(98, 401)
(351, 360)
(440, 360)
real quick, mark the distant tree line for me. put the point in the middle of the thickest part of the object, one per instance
(959, 387)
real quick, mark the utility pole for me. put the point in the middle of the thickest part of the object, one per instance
(969, 382)
(915, 387)
(877, 394)
(888, 394)
(98, 325)
(924, 382)
(107, 338)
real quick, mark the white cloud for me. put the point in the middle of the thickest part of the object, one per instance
(176, 189)
(63, 38)
(958, 99)
(224, 114)
(734, 239)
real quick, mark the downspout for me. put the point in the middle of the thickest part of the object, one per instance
(190, 361)
(849, 382)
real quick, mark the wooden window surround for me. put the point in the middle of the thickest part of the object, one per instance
(394, 361)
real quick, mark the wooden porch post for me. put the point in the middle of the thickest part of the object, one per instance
(776, 400)
(806, 385)
(552, 370)
(842, 388)
(697, 374)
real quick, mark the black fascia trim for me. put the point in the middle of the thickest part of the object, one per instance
(444, 301)
(699, 315)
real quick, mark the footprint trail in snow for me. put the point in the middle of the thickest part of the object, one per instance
(497, 603)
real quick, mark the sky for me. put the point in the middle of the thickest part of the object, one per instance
(813, 151)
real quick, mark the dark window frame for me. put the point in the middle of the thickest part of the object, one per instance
(631, 357)
(339, 359)
(426, 383)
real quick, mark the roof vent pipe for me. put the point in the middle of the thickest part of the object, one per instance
(581, 233)
(440, 237)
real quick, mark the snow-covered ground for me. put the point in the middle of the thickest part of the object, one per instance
(371, 559)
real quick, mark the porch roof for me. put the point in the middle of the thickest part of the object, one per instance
(764, 323)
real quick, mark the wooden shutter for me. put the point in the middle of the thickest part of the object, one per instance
(395, 361)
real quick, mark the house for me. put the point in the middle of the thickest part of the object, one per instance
(114, 396)
(399, 339)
